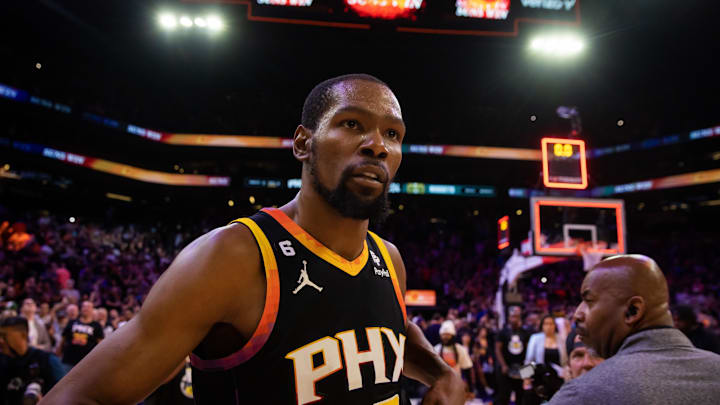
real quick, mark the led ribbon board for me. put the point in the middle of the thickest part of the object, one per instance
(444, 17)
(564, 163)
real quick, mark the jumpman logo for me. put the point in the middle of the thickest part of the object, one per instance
(305, 280)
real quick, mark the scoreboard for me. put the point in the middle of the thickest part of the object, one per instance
(564, 163)
(454, 17)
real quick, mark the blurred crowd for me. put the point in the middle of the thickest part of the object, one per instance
(77, 282)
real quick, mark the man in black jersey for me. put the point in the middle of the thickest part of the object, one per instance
(295, 305)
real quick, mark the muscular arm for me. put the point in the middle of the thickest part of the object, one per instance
(198, 290)
(421, 362)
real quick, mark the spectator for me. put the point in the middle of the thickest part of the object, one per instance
(432, 333)
(581, 359)
(686, 321)
(72, 312)
(101, 316)
(453, 353)
(26, 373)
(80, 337)
(510, 349)
(45, 315)
(72, 294)
(547, 347)
(38, 336)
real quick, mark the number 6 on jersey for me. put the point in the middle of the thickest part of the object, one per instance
(286, 247)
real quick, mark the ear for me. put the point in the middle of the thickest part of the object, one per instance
(301, 143)
(635, 310)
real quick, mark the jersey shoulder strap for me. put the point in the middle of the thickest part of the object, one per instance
(391, 267)
(270, 311)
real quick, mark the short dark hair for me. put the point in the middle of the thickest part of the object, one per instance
(321, 98)
(17, 322)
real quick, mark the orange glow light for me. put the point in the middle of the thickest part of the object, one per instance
(385, 9)
(562, 152)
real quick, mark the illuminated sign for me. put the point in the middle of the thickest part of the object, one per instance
(490, 9)
(263, 183)
(123, 170)
(385, 9)
(564, 164)
(503, 232)
(420, 298)
(448, 17)
(565, 5)
(294, 3)
(13, 94)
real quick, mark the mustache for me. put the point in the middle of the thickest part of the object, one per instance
(368, 162)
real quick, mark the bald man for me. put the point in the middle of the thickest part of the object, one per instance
(625, 317)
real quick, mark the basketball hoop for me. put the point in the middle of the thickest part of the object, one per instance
(590, 256)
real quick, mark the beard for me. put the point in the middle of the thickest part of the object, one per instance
(348, 203)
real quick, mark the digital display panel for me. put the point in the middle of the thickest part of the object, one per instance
(420, 298)
(385, 9)
(564, 163)
(503, 232)
(443, 17)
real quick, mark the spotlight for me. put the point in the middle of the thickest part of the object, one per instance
(167, 21)
(251, 199)
(620, 123)
(543, 280)
(200, 22)
(533, 118)
(214, 23)
(558, 45)
(401, 207)
(71, 220)
(6, 167)
(38, 66)
(231, 203)
(186, 21)
(518, 212)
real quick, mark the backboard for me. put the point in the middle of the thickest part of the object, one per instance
(568, 226)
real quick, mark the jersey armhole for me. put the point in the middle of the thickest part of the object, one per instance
(391, 268)
(269, 315)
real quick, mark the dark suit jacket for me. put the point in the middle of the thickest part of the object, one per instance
(653, 367)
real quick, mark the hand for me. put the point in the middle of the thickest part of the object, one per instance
(447, 390)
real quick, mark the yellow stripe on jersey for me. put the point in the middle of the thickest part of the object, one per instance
(391, 268)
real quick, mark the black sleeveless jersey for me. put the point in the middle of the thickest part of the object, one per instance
(332, 330)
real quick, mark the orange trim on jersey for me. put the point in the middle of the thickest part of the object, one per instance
(269, 315)
(351, 267)
(391, 268)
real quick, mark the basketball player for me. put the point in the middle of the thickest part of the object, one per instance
(295, 305)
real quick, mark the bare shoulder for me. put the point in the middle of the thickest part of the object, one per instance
(222, 261)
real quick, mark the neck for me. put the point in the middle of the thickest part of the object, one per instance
(311, 212)
(660, 317)
(85, 319)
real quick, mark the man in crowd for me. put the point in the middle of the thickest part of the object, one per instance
(80, 336)
(26, 373)
(686, 321)
(510, 350)
(37, 332)
(581, 359)
(625, 317)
